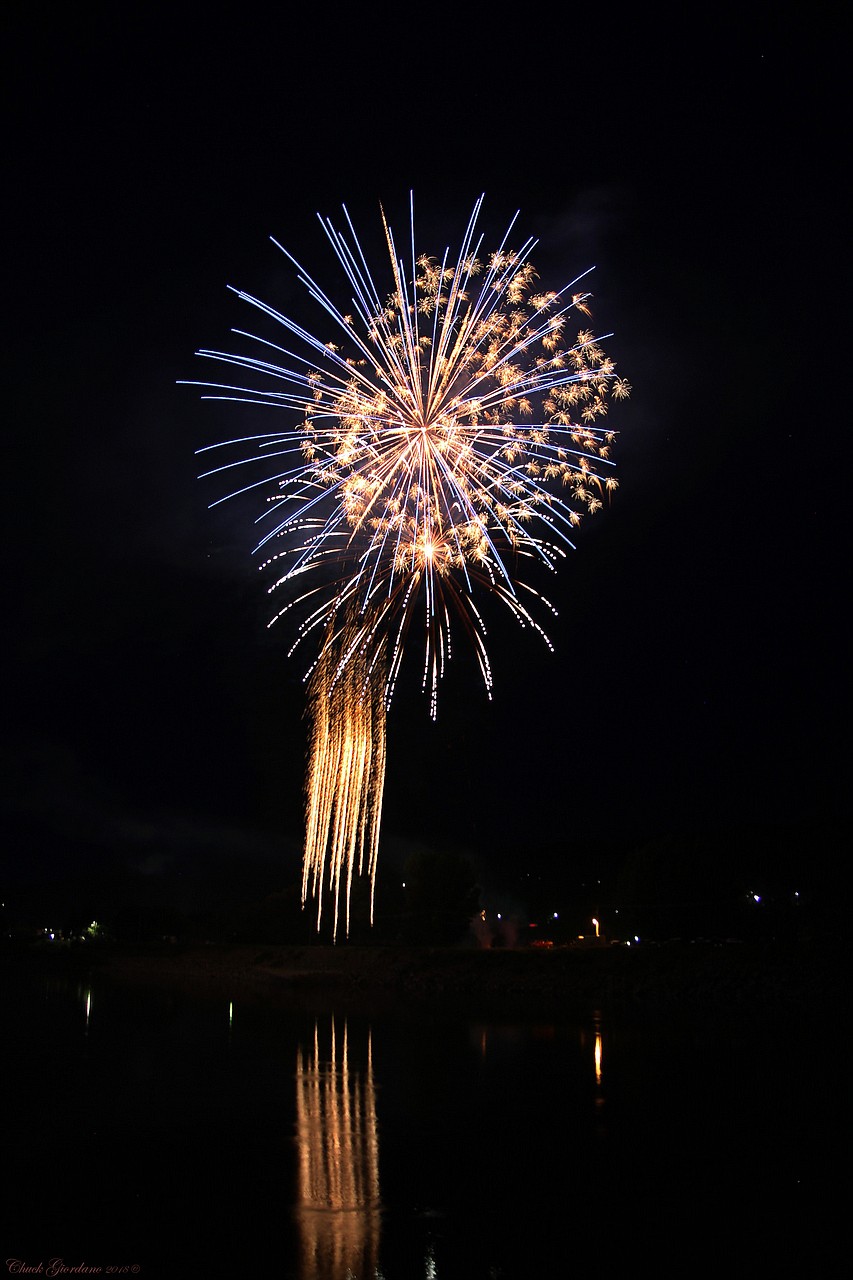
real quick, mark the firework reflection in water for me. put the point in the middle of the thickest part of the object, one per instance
(451, 435)
(339, 1210)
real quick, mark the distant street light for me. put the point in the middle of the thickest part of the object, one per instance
(595, 922)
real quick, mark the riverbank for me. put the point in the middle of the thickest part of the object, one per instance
(706, 977)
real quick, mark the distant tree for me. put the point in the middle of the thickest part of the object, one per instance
(97, 932)
(276, 918)
(675, 886)
(147, 922)
(441, 897)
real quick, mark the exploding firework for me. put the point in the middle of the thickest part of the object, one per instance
(451, 434)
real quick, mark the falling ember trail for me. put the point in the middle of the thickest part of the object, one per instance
(449, 436)
(346, 776)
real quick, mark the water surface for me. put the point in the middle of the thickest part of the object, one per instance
(192, 1134)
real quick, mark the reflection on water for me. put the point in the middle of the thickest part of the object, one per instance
(84, 993)
(597, 1051)
(339, 1208)
(500, 1158)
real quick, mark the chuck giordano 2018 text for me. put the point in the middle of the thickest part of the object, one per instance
(59, 1267)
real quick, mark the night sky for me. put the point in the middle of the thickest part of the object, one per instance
(154, 728)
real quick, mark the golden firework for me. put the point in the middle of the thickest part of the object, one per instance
(451, 434)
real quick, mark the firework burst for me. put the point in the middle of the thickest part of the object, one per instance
(450, 434)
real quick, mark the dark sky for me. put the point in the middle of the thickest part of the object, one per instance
(699, 681)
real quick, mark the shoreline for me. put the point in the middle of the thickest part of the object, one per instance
(731, 979)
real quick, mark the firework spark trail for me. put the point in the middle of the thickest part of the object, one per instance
(346, 774)
(421, 468)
